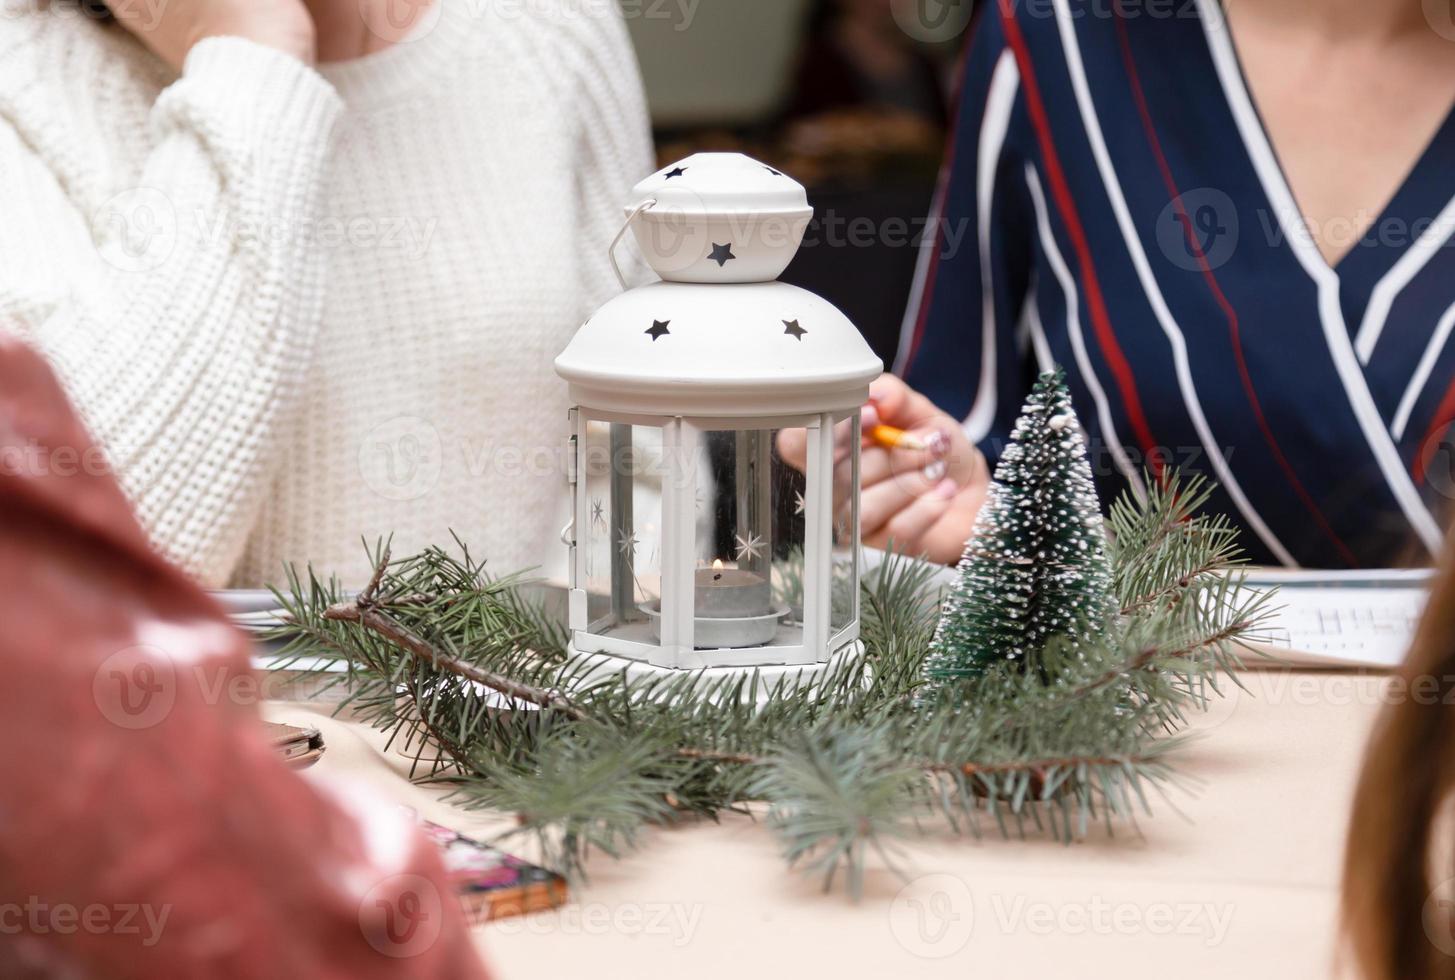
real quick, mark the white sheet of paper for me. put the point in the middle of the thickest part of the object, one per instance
(1341, 618)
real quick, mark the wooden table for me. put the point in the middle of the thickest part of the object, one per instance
(1236, 874)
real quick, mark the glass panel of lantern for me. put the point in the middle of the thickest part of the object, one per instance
(844, 578)
(748, 575)
(623, 483)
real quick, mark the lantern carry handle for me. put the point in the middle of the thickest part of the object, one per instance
(611, 252)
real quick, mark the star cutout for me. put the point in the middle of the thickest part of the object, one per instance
(792, 329)
(627, 543)
(798, 502)
(751, 548)
(658, 329)
(675, 172)
(721, 254)
(598, 514)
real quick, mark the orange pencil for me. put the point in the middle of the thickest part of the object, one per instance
(891, 438)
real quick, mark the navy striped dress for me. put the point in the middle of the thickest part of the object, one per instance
(1111, 204)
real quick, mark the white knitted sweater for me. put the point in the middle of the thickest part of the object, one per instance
(299, 309)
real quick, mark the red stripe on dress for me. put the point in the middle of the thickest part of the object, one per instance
(1091, 287)
(942, 190)
(1234, 330)
(1444, 415)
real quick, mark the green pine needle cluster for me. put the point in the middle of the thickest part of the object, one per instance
(463, 669)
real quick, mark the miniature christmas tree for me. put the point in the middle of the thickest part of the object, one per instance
(1035, 567)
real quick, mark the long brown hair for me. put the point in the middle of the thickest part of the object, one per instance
(1398, 855)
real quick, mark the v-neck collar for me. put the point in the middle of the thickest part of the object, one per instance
(1332, 319)
(1402, 217)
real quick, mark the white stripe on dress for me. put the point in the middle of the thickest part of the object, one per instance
(1037, 331)
(1382, 297)
(1153, 293)
(1422, 372)
(1073, 330)
(929, 241)
(1336, 333)
(999, 101)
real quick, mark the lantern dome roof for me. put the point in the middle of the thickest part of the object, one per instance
(736, 349)
(718, 217)
(721, 183)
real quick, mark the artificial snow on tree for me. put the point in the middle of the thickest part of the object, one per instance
(1035, 567)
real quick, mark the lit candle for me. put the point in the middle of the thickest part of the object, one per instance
(731, 593)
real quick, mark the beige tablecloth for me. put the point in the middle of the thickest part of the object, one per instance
(1235, 875)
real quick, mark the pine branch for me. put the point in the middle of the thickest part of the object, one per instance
(402, 636)
(846, 765)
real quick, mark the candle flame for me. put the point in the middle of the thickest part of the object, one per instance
(717, 564)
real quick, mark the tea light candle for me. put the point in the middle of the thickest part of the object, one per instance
(731, 593)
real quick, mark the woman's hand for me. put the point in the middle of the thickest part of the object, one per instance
(919, 502)
(171, 29)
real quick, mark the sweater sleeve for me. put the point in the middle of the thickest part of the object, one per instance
(182, 329)
(614, 149)
(965, 342)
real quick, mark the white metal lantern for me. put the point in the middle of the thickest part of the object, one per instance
(693, 544)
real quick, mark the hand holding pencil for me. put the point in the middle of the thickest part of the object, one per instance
(921, 481)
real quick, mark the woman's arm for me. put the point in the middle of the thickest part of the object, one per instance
(965, 371)
(179, 303)
(960, 345)
(152, 787)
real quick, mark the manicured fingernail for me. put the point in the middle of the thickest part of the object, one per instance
(937, 443)
(936, 471)
(869, 418)
(946, 489)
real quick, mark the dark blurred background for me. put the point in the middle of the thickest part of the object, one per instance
(851, 97)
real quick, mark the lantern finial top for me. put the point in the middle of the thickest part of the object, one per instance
(719, 217)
